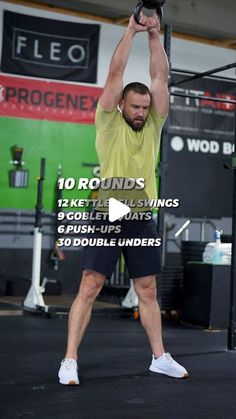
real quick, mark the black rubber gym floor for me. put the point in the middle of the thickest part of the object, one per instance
(115, 382)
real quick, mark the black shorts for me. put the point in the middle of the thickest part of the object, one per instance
(141, 260)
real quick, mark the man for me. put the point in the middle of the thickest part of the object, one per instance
(127, 144)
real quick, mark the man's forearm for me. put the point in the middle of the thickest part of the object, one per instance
(159, 66)
(120, 57)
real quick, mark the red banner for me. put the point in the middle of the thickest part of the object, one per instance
(54, 101)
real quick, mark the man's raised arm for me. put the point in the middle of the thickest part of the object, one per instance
(114, 83)
(159, 69)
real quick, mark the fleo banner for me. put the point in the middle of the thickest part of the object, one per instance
(54, 101)
(48, 48)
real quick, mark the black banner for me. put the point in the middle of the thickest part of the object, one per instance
(201, 117)
(49, 48)
(201, 141)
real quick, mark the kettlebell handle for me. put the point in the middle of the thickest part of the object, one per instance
(156, 5)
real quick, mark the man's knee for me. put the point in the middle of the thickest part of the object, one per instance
(146, 289)
(91, 284)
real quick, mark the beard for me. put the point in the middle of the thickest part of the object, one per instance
(136, 124)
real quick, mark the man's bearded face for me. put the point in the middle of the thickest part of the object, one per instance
(135, 108)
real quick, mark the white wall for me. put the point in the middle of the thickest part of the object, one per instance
(185, 54)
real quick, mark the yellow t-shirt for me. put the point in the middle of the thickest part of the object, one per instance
(126, 153)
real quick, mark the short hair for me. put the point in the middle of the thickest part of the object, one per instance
(136, 87)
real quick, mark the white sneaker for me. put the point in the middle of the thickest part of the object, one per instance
(68, 372)
(165, 364)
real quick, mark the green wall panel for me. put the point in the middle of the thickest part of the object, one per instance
(67, 144)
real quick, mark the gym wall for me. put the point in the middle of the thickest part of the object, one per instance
(72, 144)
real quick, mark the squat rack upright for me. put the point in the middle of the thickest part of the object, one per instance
(163, 176)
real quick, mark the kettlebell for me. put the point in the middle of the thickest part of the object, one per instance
(149, 4)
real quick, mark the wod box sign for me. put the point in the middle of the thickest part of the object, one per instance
(201, 141)
(22, 97)
(47, 48)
